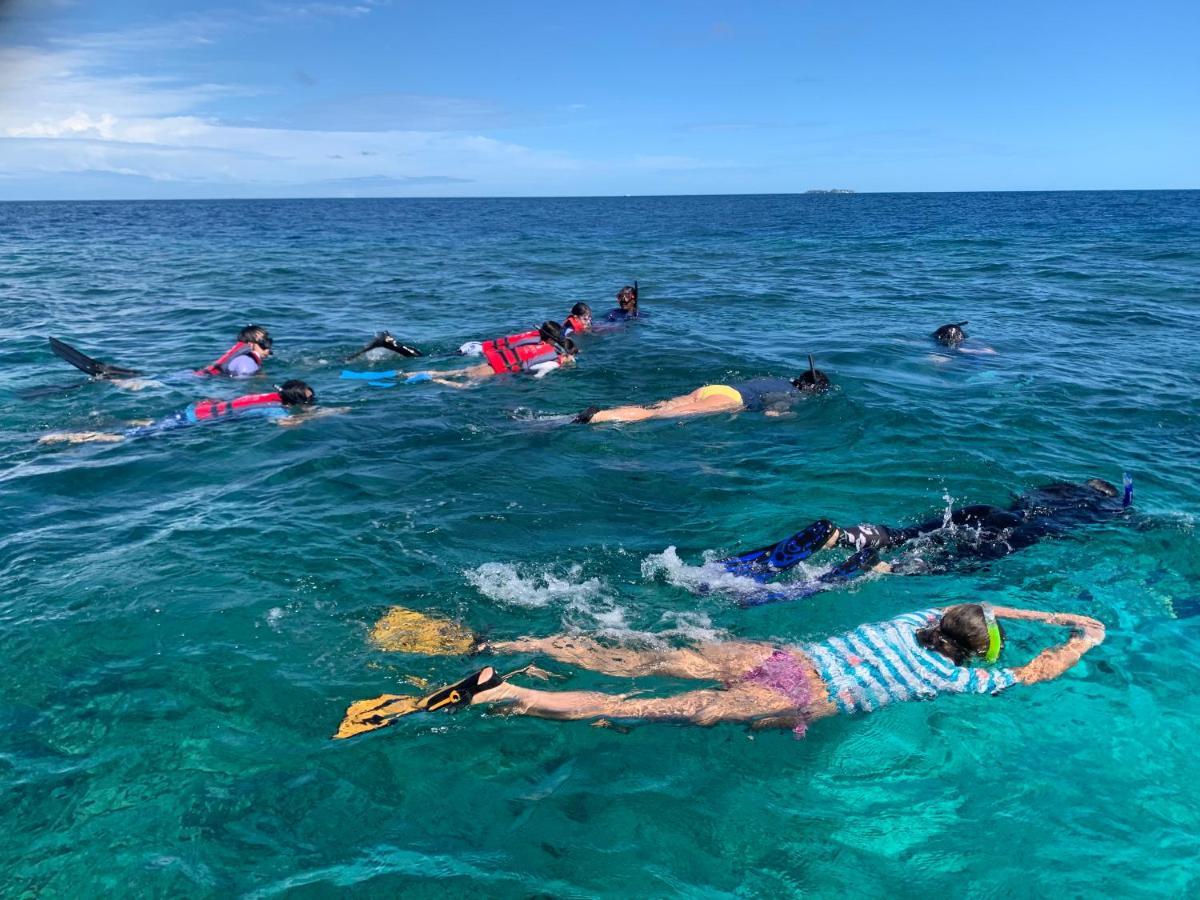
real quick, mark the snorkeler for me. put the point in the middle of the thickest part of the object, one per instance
(578, 322)
(953, 337)
(537, 353)
(627, 305)
(291, 396)
(965, 539)
(773, 396)
(243, 359)
(916, 656)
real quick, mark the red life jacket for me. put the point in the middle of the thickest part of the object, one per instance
(518, 352)
(576, 324)
(215, 409)
(217, 366)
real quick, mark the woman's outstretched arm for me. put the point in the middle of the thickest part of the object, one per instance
(1053, 661)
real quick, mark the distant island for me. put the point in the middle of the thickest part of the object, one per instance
(830, 191)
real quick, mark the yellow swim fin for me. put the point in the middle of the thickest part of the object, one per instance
(382, 711)
(404, 630)
(368, 715)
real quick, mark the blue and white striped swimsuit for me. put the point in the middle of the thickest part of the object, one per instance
(874, 665)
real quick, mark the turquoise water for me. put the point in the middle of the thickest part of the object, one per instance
(184, 619)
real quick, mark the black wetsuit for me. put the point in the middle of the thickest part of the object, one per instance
(759, 394)
(973, 534)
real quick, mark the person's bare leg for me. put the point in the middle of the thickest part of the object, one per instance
(717, 661)
(81, 437)
(483, 370)
(744, 703)
(676, 407)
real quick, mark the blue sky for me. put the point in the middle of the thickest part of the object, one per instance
(272, 98)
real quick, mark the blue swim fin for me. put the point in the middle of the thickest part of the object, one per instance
(368, 376)
(860, 563)
(766, 562)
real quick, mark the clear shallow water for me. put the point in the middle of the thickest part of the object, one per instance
(184, 619)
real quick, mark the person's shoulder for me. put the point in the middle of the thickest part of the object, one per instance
(919, 618)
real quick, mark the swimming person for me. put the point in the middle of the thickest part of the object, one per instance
(772, 396)
(916, 656)
(243, 359)
(627, 305)
(537, 353)
(291, 396)
(579, 321)
(965, 539)
(953, 337)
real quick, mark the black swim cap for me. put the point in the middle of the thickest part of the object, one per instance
(951, 335)
(296, 393)
(255, 334)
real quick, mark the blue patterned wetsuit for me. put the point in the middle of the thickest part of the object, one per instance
(875, 665)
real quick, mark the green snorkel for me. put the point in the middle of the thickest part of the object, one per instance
(993, 630)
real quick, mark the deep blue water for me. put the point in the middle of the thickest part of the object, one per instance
(184, 619)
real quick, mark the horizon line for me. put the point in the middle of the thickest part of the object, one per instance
(812, 192)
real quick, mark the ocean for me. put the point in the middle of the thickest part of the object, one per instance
(185, 617)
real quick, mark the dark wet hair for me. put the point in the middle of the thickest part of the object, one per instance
(296, 393)
(581, 309)
(951, 335)
(552, 332)
(570, 347)
(960, 634)
(629, 292)
(255, 334)
(813, 381)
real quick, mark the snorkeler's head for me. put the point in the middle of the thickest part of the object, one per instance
(552, 332)
(255, 334)
(814, 381)
(951, 335)
(1072, 503)
(961, 633)
(627, 297)
(296, 393)
(582, 310)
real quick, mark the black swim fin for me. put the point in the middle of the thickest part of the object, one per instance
(86, 364)
(385, 340)
(764, 562)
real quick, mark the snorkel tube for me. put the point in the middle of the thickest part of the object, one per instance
(1127, 498)
(993, 630)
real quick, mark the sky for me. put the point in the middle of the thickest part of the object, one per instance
(123, 99)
